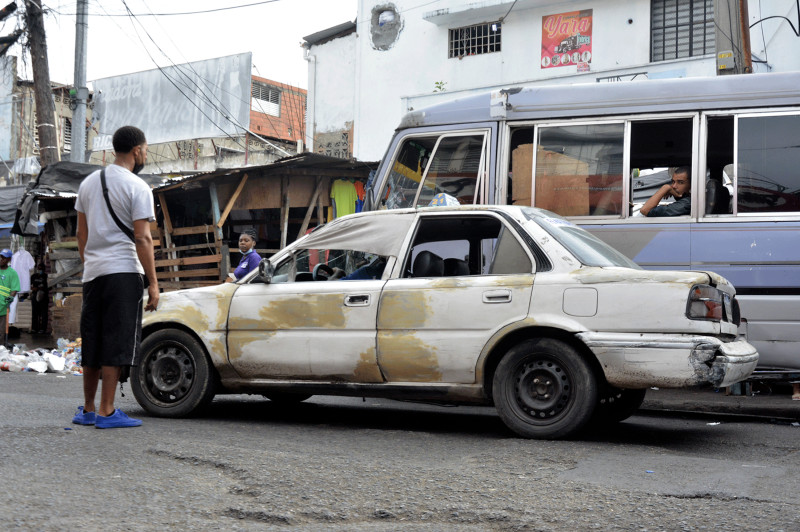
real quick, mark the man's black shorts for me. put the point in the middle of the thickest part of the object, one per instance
(111, 320)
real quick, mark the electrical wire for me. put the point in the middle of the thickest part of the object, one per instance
(151, 14)
(174, 82)
(795, 30)
(189, 80)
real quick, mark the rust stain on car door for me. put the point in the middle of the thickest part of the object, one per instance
(434, 329)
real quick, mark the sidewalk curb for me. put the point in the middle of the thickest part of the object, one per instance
(709, 402)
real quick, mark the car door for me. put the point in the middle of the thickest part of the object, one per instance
(320, 330)
(434, 319)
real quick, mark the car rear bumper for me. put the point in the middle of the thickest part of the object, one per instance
(670, 361)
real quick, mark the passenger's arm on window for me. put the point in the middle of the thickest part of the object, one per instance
(664, 192)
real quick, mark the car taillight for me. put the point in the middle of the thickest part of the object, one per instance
(705, 303)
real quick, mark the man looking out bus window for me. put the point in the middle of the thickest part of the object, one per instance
(679, 188)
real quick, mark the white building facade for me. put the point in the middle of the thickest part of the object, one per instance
(404, 55)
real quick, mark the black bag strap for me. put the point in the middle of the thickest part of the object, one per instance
(119, 223)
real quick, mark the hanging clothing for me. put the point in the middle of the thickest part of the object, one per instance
(360, 195)
(343, 193)
(23, 263)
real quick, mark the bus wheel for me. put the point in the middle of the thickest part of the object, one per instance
(544, 389)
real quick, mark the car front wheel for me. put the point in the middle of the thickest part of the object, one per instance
(173, 376)
(543, 388)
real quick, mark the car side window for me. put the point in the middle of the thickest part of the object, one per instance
(450, 246)
(330, 264)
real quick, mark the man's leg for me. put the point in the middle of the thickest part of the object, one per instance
(109, 389)
(91, 376)
(3, 329)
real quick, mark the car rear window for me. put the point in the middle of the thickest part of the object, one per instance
(587, 248)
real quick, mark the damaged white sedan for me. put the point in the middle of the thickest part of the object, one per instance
(509, 306)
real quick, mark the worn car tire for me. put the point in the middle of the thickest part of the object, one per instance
(543, 388)
(173, 377)
(287, 398)
(616, 404)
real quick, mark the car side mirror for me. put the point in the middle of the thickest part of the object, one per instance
(266, 270)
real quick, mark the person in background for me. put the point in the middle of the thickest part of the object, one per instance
(114, 264)
(40, 299)
(679, 188)
(250, 259)
(9, 286)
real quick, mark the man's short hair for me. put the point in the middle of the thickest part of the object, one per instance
(127, 138)
(683, 170)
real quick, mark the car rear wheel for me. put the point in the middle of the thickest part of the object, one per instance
(173, 376)
(543, 388)
(617, 405)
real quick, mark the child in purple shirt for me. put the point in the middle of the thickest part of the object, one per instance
(250, 259)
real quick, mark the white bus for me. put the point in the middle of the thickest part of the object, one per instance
(594, 153)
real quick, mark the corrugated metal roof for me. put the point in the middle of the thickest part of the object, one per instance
(303, 160)
(323, 36)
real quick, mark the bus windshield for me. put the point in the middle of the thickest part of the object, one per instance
(586, 247)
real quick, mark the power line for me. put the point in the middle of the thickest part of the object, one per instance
(174, 84)
(151, 14)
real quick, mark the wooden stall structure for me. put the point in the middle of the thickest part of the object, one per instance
(198, 216)
(202, 215)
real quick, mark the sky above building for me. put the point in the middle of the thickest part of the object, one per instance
(126, 36)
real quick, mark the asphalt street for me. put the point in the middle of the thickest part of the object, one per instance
(347, 464)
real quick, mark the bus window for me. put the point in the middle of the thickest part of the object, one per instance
(657, 148)
(579, 169)
(768, 150)
(427, 166)
(719, 169)
(406, 173)
(454, 169)
(518, 190)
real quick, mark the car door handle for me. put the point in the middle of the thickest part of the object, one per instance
(360, 300)
(497, 296)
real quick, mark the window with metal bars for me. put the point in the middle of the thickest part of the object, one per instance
(265, 99)
(474, 40)
(681, 28)
(67, 134)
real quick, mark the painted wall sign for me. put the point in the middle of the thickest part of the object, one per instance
(567, 39)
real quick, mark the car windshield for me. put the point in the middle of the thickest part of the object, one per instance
(586, 247)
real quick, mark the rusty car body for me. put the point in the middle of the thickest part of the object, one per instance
(500, 305)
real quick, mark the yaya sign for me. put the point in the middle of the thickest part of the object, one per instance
(567, 39)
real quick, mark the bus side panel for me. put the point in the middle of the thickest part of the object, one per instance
(651, 246)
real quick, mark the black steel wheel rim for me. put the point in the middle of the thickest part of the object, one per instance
(543, 389)
(169, 372)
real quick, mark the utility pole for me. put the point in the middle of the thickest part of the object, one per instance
(78, 149)
(43, 96)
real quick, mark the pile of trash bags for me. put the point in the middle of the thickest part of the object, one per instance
(66, 358)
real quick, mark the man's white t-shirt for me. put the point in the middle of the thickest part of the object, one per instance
(109, 250)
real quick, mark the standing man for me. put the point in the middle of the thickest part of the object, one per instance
(113, 265)
(9, 286)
